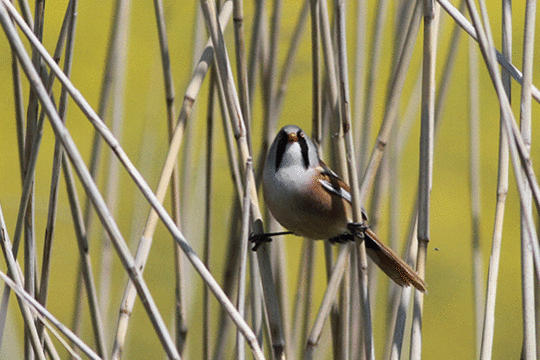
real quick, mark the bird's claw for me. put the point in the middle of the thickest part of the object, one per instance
(357, 229)
(258, 240)
(341, 239)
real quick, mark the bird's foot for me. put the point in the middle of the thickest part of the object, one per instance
(341, 239)
(259, 239)
(357, 229)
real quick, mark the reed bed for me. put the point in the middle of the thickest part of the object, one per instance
(133, 204)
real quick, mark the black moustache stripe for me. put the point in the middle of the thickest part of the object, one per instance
(304, 148)
(282, 144)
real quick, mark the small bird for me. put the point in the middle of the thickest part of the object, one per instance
(310, 200)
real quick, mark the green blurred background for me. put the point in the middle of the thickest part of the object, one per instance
(448, 324)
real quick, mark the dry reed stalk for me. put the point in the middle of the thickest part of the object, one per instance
(327, 302)
(227, 88)
(55, 177)
(518, 150)
(112, 174)
(288, 64)
(207, 244)
(372, 79)
(241, 62)
(360, 75)
(470, 29)
(392, 100)
(304, 297)
(316, 98)
(431, 19)
(399, 298)
(168, 168)
(474, 185)
(232, 263)
(30, 149)
(44, 314)
(77, 160)
(333, 121)
(529, 349)
(270, 64)
(16, 272)
(29, 168)
(175, 180)
(502, 191)
(242, 271)
(85, 260)
(109, 76)
(90, 187)
(356, 202)
(257, 48)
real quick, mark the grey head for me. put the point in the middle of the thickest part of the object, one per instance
(290, 142)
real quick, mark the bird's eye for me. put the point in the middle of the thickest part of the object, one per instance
(301, 133)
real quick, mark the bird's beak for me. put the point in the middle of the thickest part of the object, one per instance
(292, 137)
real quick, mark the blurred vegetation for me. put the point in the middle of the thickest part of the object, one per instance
(448, 324)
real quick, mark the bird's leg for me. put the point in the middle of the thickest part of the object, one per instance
(341, 239)
(259, 239)
(357, 229)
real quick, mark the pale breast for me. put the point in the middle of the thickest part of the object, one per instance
(304, 207)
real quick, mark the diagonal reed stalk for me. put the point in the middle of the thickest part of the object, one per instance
(168, 169)
(227, 87)
(42, 311)
(90, 187)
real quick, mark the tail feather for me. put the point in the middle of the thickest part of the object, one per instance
(389, 262)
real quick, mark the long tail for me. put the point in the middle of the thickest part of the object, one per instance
(389, 262)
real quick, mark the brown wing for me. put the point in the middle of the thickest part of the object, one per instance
(389, 262)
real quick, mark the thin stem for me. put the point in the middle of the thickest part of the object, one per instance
(16, 273)
(369, 346)
(304, 296)
(241, 62)
(112, 182)
(470, 29)
(107, 82)
(208, 213)
(426, 164)
(271, 64)
(316, 114)
(518, 150)
(57, 158)
(327, 302)
(227, 88)
(502, 190)
(392, 101)
(244, 245)
(82, 171)
(143, 249)
(474, 183)
(85, 260)
(527, 265)
(175, 181)
(372, 78)
(44, 314)
(360, 73)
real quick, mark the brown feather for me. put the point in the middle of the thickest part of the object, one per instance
(392, 265)
(387, 260)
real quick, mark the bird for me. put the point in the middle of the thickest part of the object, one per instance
(310, 200)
